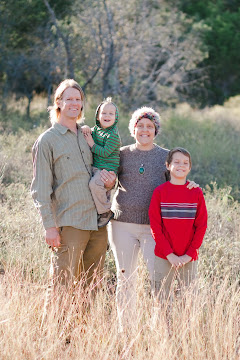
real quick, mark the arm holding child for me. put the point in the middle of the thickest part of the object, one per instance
(109, 178)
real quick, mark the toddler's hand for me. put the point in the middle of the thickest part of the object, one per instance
(86, 130)
(89, 139)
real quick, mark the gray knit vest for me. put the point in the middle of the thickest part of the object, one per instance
(132, 198)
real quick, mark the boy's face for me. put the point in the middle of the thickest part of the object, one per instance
(179, 167)
(107, 115)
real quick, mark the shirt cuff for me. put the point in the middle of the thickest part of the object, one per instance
(48, 222)
(167, 251)
(191, 252)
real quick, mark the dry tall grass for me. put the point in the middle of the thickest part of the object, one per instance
(205, 326)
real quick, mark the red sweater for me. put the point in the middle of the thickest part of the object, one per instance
(178, 220)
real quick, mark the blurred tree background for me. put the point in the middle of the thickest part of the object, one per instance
(140, 51)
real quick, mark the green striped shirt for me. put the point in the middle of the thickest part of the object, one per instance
(61, 173)
(106, 151)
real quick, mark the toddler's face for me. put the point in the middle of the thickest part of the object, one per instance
(107, 115)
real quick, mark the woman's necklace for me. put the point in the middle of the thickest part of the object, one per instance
(141, 170)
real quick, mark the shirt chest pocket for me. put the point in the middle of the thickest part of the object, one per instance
(64, 166)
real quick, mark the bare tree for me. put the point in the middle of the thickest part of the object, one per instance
(64, 38)
(98, 42)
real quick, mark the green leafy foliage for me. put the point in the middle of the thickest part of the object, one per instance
(160, 52)
(222, 38)
(26, 39)
(213, 143)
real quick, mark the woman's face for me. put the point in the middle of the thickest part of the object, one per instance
(144, 134)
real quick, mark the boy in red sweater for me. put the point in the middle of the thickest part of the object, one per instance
(178, 220)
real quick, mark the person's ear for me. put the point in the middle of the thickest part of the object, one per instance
(167, 165)
(59, 102)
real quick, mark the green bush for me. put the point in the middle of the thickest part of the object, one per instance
(213, 144)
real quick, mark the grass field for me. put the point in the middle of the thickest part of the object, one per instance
(203, 327)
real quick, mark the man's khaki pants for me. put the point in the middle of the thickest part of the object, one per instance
(80, 256)
(82, 253)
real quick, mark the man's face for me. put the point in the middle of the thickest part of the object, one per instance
(70, 103)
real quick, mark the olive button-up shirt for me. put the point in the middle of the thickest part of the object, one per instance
(61, 173)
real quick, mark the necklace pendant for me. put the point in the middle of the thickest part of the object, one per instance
(141, 170)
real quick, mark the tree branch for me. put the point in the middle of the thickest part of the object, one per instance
(70, 67)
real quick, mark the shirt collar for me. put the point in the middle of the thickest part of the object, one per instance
(62, 129)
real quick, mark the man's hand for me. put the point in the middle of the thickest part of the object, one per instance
(52, 237)
(192, 185)
(109, 178)
(89, 139)
(175, 260)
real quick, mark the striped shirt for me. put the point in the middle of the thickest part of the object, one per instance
(178, 220)
(61, 173)
(178, 210)
(106, 151)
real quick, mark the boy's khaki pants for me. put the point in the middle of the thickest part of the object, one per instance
(165, 277)
(100, 194)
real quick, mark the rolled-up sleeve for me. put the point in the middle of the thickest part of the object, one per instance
(42, 183)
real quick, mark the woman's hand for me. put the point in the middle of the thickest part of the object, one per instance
(192, 185)
(109, 178)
